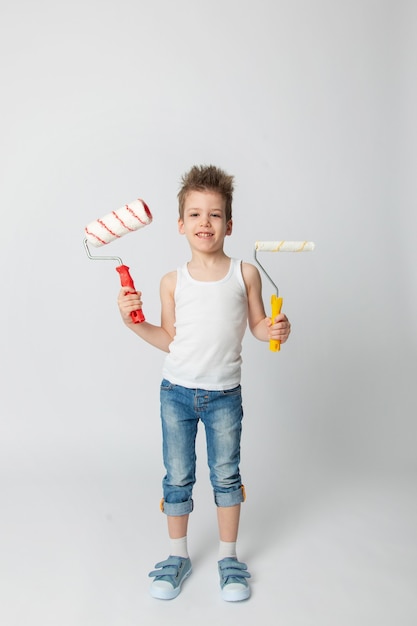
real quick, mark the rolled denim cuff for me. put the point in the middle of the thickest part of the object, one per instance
(230, 498)
(177, 508)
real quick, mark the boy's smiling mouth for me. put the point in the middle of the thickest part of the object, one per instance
(204, 235)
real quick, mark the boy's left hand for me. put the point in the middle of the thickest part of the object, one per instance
(279, 328)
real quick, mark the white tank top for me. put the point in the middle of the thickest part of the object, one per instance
(211, 319)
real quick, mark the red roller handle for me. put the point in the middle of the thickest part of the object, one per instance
(127, 281)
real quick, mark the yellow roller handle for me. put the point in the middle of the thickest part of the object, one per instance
(276, 304)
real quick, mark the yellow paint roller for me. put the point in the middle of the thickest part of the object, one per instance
(279, 246)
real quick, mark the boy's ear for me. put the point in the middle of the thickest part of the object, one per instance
(229, 227)
(180, 226)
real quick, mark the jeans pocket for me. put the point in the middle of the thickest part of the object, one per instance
(236, 391)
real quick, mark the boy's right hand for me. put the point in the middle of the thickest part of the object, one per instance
(128, 302)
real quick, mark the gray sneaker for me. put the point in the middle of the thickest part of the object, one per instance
(169, 576)
(233, 583)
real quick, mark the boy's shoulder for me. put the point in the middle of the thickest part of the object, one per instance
(169, 276)
(250, 273)
(249, 269)
(169, 280)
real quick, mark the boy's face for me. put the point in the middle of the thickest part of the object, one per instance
(204, 223)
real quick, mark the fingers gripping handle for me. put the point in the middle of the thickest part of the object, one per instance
(276, 304)
(127, 281)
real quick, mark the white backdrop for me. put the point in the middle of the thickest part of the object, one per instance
(311, 105)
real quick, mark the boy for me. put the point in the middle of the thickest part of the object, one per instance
(205, 307)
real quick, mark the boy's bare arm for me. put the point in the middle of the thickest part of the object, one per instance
(158, 336)
(261, 326)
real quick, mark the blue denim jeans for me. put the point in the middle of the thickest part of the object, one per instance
(221, 413)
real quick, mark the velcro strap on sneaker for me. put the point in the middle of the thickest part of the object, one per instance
(232, 567)
(169, 567)
(235, 572)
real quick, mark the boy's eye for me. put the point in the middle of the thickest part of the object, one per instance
(196, 214)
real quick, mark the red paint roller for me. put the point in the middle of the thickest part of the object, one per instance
(125, 220)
